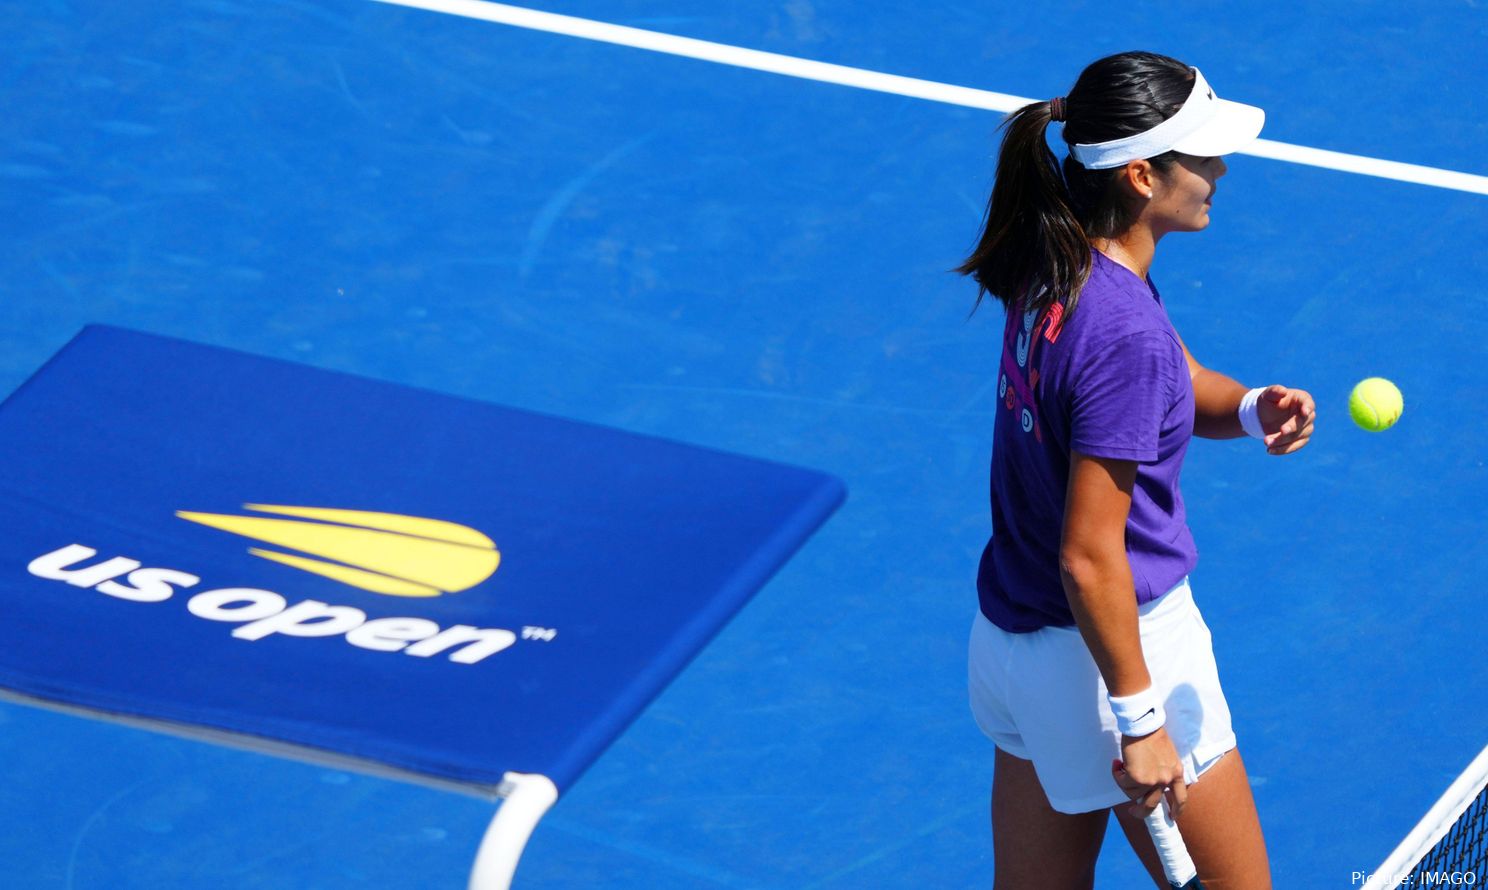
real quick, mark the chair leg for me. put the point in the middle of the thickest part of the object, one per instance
(527, 797)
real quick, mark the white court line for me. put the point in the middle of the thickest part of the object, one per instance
(791, 66)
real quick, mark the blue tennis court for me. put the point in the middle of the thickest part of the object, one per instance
(757, 262)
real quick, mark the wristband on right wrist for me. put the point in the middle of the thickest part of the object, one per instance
(1138, 714)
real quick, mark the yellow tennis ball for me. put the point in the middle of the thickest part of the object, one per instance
(1375, 404)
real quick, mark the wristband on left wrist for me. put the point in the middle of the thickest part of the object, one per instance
(1250, 413)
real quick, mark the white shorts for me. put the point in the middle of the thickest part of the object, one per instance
(1040, 697)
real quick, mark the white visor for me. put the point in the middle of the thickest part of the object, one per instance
(1206, 126)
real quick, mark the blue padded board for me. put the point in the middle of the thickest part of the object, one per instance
(596, 562)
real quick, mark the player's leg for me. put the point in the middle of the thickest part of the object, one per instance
(1220, 826)
(1034, 846)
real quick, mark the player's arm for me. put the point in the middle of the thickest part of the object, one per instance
(1094, 569)
(1098, 584)
(1286, 414)
(1216, 400)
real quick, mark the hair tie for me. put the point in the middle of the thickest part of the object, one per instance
(1056, 109)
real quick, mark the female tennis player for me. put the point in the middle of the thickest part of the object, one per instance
(1090, 666)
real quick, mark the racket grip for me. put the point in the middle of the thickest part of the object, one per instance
(1176, 863)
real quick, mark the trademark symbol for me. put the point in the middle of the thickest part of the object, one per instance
(541, 634)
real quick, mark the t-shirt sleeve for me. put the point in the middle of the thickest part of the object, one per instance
(1122, 394)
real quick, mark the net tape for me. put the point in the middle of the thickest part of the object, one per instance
(1462, 850)
(1449, 847)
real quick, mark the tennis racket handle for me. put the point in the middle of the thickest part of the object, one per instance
(1176, 863)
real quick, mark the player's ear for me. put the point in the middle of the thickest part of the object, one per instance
(1139, 179)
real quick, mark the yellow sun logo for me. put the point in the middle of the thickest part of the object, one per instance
(380, 552)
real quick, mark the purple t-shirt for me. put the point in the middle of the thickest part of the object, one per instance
(1110, 381)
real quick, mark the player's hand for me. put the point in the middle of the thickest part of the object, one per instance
(1149, 768)
(1286, 415)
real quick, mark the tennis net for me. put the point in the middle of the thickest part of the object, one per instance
(1449, 847)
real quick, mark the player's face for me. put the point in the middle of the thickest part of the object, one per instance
(1181, 199)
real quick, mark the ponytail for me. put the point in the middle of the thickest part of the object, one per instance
(1033, 250)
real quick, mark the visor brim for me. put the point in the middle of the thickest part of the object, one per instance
(1233, 126)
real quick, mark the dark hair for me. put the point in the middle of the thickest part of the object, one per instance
(1034, 249)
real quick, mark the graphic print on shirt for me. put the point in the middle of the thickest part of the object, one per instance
(1019, 375)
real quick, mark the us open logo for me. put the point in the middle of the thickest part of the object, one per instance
(381, 552)
(384, 553)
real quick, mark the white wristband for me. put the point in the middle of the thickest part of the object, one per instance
(1140, 714)
(1250, 414)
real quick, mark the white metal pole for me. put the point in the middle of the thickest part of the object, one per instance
(527, 796)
